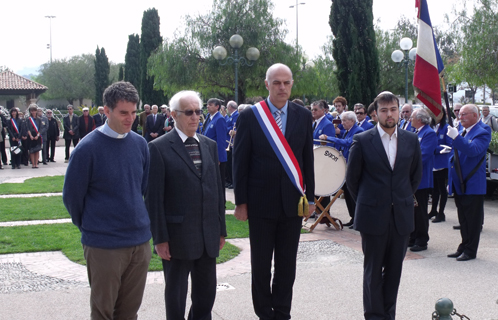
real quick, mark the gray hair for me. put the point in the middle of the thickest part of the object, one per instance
(174, 102)
(232, 104)
(423, 116)
(408, 104)
(274, 67)
(154, 107)
(349, 115)
(472, 108)
(100, 108)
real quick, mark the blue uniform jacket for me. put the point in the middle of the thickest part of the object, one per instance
(408, 127)
(366, 125)
(344, 143)
(217, 131)
(441, 160)
(324, 127)
(428, 143)
(471, 149)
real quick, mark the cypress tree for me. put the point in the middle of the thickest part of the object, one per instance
(132, 61)
(354, 50)
(121, 72)
(102, 70)
(151, 40)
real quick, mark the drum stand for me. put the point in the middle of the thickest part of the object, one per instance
(326, 213)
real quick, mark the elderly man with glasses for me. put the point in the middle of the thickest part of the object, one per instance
(361, 115)
(52, 135)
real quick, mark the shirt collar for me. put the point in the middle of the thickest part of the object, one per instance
(273, 108)
(212, 116)
(319, 120)
(470, 128)
(184, 137)
(382, 132)
(105, 129)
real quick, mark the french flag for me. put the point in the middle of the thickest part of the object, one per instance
(428, 64)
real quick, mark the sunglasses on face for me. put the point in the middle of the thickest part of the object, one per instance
(189, 113)
(360, 113)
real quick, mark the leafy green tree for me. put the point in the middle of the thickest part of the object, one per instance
(392, 74)
(477, 46)
(121, 72)
(186, 62)
(132, 61)
(102, 70)
(151, 40)
(354, 49)
(71, 79)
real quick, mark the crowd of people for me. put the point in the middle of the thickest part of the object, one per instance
(121, 189)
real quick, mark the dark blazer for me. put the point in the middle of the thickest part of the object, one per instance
(185, 209)
(53, 129)
(375, 186)
(150, 127)
(259, 179)
(84, 131)
(13, 133)
(67, 126)
(99, 120)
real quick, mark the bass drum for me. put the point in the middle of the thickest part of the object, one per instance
(330, 170)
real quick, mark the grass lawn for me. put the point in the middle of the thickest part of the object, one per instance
(36, 208)
(40, 208)
(66, 238)
(34, 185)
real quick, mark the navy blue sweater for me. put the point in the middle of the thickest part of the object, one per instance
(104, 187)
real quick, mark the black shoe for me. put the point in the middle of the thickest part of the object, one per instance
(432, 214)
(18, 167)
(417, 248)
(456, 227)
(52, 160)
(45, 163)
(351, 227)
(439, 219)
(454, 255)
(410, 244)
(349, 224)
(464, 257)
(230, 186)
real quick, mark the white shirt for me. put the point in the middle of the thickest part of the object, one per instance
(318, 121)
(212, 115)
(390, 144)
(184, 137)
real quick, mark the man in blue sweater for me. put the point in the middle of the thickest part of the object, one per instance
(103, 192)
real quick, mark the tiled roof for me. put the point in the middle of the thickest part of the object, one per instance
(11, 81)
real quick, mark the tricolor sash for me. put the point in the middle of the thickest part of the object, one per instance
(281, 148)
(14, 124)
(33, 122)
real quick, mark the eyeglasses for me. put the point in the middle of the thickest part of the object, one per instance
(405, 111)
(360, 113)
(464, 114)
(456, 110)
(189, 113)
(315, 109)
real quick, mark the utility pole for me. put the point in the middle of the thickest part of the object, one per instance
(50, 45)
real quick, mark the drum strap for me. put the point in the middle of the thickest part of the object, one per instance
(282, 149)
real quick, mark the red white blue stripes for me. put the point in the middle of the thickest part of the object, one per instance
(279, 144)
(428, 64)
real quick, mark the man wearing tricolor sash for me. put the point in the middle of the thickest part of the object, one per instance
(273, 179)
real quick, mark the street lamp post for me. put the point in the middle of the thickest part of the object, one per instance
(236, 42)
(50, 45)
(405, 57)
(297, 22)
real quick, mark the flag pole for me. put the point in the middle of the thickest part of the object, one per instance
(448, 113)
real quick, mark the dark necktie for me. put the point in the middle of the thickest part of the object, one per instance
(193, 150)
(464, 133)
(154, 119)
(314, 126)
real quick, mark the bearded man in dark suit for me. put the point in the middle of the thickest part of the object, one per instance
(387, 169)
(265, 195)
